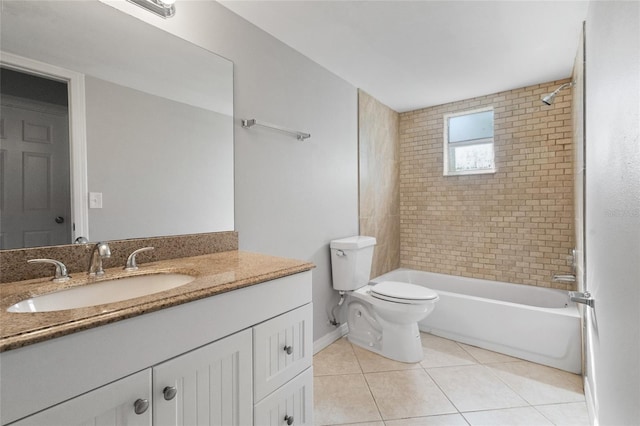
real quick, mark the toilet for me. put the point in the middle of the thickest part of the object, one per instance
(382, 317)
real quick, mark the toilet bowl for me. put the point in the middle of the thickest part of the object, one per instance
(383, 317)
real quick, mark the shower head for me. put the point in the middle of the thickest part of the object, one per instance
(548, 100)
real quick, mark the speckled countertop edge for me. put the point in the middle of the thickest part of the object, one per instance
(215, 274)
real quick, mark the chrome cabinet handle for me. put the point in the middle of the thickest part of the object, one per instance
(169, 392)
(140, 406)
(288, 349)
(289, 420)
(61, 270)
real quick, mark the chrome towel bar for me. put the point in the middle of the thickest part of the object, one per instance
(250, 122)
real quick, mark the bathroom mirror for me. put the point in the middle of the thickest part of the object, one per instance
(159, 122)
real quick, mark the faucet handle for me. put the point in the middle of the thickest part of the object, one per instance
(131, 260)
(61, 274)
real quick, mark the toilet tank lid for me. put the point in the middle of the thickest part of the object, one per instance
(352, 243)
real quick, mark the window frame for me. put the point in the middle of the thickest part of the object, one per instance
(471, 142)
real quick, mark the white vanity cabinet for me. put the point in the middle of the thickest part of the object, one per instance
(195, 364)
(283, 348)
(283, 353)
(112, 405)
(209, 386)
(292, 404)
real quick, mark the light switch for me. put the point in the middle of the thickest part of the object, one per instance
(95, 200)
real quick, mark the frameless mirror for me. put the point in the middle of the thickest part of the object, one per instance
(151, 137)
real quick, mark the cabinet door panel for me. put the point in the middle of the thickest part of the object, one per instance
(293, 401)
(110, 405)
(273, 364)
(213, 385)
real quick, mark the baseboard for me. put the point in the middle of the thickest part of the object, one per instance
(329, 338)
(591, 403)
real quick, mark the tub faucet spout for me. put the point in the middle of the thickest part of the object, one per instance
(100, 251)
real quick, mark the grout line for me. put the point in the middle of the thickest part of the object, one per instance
(488, 366)
(368, 386)
(373, 397)
(443, 392)
(542, 414)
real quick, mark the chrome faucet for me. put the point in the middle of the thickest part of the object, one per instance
(61, 270)
(100, 251)
(131, 260)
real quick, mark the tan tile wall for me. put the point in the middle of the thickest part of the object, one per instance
(379, 181)
(515, 225)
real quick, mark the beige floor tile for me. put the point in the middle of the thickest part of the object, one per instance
(572, 414)
(342, 399)
(409, 393)
(484, 356)
(523, 416)
(475, 387)
(439, 352)
(444, 420)
(371, 362)
(539, 384)
(337, 358)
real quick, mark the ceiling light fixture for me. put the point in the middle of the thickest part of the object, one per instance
(162, 8)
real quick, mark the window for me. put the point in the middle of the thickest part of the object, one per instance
(468, 142)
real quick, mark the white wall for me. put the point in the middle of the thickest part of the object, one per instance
(156, 179)
(613, 209)
(291, 198)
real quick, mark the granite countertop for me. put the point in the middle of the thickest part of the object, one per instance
(215, 274)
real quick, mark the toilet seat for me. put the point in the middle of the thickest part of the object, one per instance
(399, 292)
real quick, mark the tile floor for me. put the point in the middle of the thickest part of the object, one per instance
(455, 384)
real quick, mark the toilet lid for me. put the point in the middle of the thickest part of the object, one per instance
(402, 292)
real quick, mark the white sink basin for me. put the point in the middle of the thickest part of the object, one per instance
(103, 292)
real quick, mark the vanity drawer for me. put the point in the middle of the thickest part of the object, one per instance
(114, 404)
(291, 404)
(282, 348)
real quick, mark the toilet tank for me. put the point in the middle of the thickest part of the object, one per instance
(351, 262)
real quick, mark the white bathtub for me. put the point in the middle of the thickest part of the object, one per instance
(537, 324)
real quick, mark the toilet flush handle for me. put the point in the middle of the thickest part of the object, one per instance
(340, 253)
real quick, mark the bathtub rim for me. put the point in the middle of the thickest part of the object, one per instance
(571, 308)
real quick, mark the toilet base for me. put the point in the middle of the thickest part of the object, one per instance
(399, 342)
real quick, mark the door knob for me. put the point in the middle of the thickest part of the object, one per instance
(288, 349)
(289, 420)
(59, 219)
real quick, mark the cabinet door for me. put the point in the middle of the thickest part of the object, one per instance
(208, 386)
(283, 348)
(292, 404)
(110, 405)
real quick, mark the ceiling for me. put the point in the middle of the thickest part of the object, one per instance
(415, 54)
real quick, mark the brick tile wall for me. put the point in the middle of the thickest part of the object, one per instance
(516, 225)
